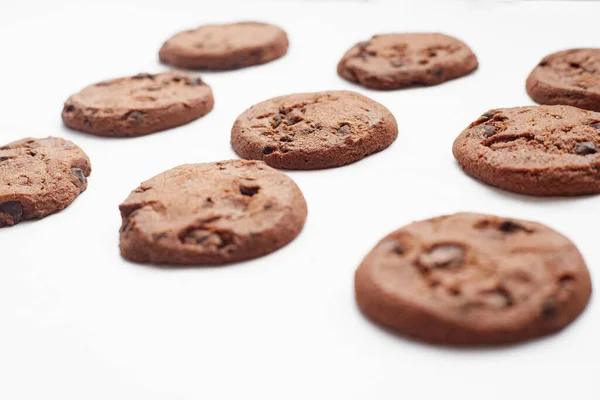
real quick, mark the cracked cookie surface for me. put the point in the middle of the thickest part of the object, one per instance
(225, 46)
(212, 213)
(313, 130)
(473, 279)
(138, 105)
(401, 60)
(536, 150)
(570, 77)
(39, 177)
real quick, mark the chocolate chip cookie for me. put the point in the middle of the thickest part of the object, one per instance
(212, 213)
(536, 150)
(138, 105)
(401, 60)
(225, 46)
(570, 77)
(39, 177)
(313, 130)
(473, 279)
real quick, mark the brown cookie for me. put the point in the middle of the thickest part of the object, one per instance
(225, 46)
(313, 130)
(570, 77)
(537, 150)
(401, 60)
(39, 177)
(473, 279)
(212, 213)
(138, 105)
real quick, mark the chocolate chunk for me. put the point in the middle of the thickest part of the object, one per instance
(78, 173)
(585, 148)
(549, 308)
(442, 256)
(14, 209)
(249, 190)
(135, 115)
(344, 129)
(276, 121)
(4, 159)
(509, 226)
(268, 150)
(143, 76)
(69, 108)
(596, 126)
(489, 130)
(32, 152)
(574, 65)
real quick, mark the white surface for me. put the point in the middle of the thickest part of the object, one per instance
(79, 322)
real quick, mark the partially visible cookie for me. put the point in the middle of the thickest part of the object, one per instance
(138, 105)
(39, 177)
(570, 77)
(401, 60)
(473, 279)
(212, 213)
(313, 130)
(225, 46)
(536, 150)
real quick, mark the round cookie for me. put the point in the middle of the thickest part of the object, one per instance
(138, 105)
(570, 77)
(536, 150)
(401, 60)
(39, 177)
(212, 213)
(473, 279)
(225, 46)
(313, 130)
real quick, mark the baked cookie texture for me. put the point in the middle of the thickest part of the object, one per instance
(313, 130)
(212, 213)
(225, 46)
(138, 105)
(402, 60)
(535, 150)
(39, 177)
(569, 77)
(473, 279)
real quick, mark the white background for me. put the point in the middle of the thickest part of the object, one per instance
(79, 322)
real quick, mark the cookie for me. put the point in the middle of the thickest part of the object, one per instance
(473, 279)
(570, 77)
(225, 46)
(39, 177)
(401, 60)
(138, 105)
(536, 150)
(313, 130)
(213, 213)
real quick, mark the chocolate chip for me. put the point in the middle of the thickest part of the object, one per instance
(574, 65)
(276, 121)
(396, 63)
(177, 79)
(585, 148)
(489, 115)
(32, 152)
(442, 256)
(565, 281)
(596, 126)
(432, 54)
(489, 130)
(268, 150)
(14, 209)
(69, 108)
(398, 250)
(543, 63)
(4, 159)
(160, 235)
(4, 148)
(344, 129)
(78, 173)
(509, 226)
(249, 190)
(135, 115)
(194, 82)
(549, 308)
(143, 76)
